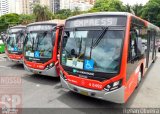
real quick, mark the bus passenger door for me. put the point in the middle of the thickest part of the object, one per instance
(150, 48)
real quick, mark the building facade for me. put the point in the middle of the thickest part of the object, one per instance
(15, 6)
(26, 6)
(55, 6)
(4, 7)
(83, 5)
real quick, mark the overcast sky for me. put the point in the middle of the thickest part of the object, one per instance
(132, 2)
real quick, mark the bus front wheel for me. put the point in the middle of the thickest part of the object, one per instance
(139, 77)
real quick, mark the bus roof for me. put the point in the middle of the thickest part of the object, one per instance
(100, 14)
(18, 26)
(150, 25)
(50, 22)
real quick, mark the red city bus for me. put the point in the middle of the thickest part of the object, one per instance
(41, 47)
(14, 44)
(103, 54)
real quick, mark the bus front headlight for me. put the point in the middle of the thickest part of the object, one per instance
(49, 66)
(113, 86)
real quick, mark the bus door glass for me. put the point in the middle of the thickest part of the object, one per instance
(150, 49)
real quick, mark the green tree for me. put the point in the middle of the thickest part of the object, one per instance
(108, 5)
(8, 20)
(63, 14)
(151, 12)
(42, 13)
(128, 8)
(26, 19)
(137, 8)
(76, 11)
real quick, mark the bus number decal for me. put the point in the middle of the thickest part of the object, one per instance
(95, 85)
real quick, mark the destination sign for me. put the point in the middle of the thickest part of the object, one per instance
(40, 27)
(96, 21)
(15, 30)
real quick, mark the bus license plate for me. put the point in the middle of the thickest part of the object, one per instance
(84, 93)
(35, 72)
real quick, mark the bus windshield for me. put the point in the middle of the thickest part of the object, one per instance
(89, 50)
(39, 45)
(15, 42)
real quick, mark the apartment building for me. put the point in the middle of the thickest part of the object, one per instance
(83, 5)
(4, 7)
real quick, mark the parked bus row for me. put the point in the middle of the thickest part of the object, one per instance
(101, 55)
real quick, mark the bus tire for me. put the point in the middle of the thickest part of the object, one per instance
(154, 56)
(139, 78)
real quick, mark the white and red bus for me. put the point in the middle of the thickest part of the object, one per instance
(14, 44)
(105, 55)
(41, 47)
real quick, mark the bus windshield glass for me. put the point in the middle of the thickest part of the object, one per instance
(15, 42)
(97, 50)
(39, 45)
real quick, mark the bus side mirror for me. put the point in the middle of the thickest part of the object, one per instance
(54, 28)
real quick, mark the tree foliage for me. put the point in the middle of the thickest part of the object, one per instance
(42, 13)
(63, 14)
(151, 12)
(135, 9)
(138, 9)
(8, 20)
(108, 5)
(26, 19)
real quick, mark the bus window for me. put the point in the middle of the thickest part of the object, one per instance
(132, 48)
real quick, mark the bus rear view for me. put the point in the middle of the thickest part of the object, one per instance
(41, 47)
(102, 56)
(14, 44)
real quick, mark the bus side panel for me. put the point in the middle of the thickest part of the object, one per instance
(131, 84)
(133, 80)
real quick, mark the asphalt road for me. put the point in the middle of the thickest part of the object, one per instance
(46, 92)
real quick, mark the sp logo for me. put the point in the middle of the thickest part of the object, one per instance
(10, 103)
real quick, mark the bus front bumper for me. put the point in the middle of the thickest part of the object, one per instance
(16, 60)
(116, 96)
(50, 72)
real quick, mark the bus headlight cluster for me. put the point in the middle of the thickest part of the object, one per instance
(49, 66)
(113, 86)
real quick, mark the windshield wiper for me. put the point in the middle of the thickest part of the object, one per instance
(80, 47)
(33, 44)
(97, 41)
(101, 36)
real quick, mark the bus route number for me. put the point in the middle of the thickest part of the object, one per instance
(99, 86)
